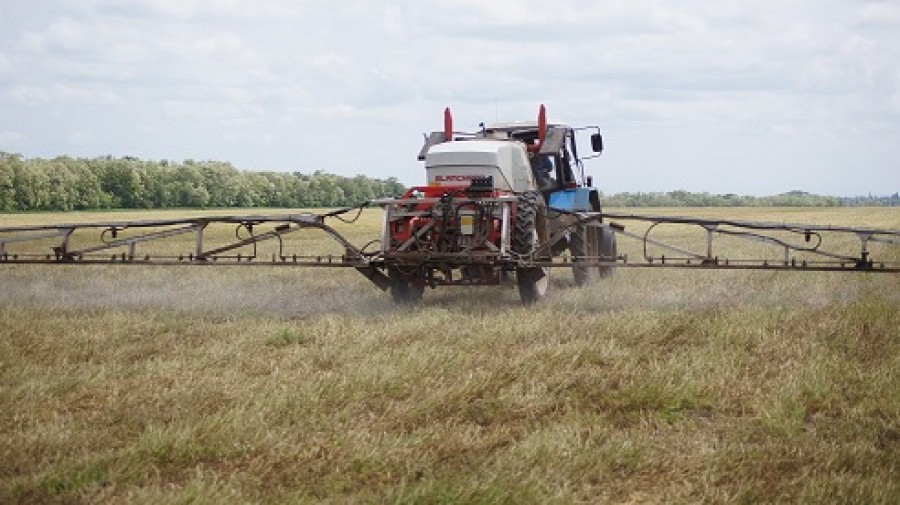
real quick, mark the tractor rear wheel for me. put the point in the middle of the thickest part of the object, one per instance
(530, 223)
(403, 289)
(607, 250)
(583, 245)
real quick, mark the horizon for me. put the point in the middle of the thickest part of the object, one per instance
(798, 192)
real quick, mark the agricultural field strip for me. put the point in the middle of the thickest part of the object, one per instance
(160, 385)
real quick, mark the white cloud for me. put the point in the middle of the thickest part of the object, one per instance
(81, 138)
(65, 35)
(682, 89)
(884, 14)
(89, 96)
(28, 95)
(11, 140)
(6, 65)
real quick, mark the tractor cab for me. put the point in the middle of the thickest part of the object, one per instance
(550, 157)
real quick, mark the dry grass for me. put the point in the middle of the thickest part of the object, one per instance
(232, 384)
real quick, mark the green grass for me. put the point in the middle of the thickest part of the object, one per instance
(180, 385)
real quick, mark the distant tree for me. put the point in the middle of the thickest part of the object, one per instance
(32, 187)
(86, 191)
(62, 185)
(8, 164)
(188, 187)
(121, 180)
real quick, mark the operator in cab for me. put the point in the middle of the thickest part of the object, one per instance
(544, 171)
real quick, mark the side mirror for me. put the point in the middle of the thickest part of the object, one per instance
(597, 142)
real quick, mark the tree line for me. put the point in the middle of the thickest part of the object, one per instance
(871, 201)
(688, 199)
(65, 183)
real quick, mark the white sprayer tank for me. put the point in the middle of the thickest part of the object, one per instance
(456, 163)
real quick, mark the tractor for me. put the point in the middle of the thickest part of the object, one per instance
(497, 203)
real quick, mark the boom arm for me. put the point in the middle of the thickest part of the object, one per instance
(119, 241)
(801, 246)
(199, 241)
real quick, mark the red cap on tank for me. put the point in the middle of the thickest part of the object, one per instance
(448, 125)
(542, 125)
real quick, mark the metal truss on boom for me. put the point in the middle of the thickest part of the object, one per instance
(803, 247)
(809, 247)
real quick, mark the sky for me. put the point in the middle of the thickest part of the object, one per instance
(728, 96)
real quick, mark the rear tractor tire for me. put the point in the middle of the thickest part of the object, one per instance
(530, 224)
(608, 250)
(584, 247)
(592, 242)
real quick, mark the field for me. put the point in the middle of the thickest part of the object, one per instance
(231, 384)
